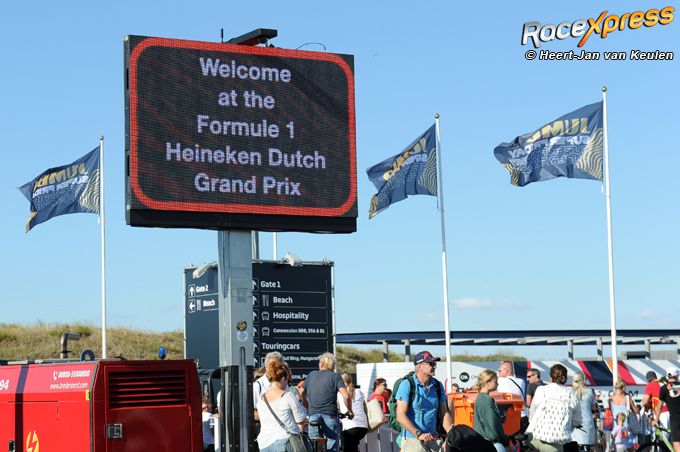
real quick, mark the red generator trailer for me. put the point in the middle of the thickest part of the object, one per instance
(100, 406)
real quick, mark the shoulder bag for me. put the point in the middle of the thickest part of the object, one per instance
(633, 421)
(608, 421)
(375, 414)
(297, 442)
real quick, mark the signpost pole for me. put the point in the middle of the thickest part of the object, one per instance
(235, 272)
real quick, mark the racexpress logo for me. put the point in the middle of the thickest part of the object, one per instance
(603, 26)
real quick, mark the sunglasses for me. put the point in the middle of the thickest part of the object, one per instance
(432, 364)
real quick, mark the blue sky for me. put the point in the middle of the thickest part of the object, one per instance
(532, 257)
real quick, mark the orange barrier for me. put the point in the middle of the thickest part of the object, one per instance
(464, 408)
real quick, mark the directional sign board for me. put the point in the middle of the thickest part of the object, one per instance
(292, 314)
(201, 311)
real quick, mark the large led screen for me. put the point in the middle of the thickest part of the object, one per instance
(227, 136)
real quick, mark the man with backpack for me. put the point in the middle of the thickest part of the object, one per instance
(421, 408)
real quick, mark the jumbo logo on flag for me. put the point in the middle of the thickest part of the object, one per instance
(411, 172)
(570, 146)
(62, 190)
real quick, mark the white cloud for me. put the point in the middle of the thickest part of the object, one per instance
(473, 303)
(487, 304)
(648, 314)
(429, 317)
(434, 313)
(654, 316)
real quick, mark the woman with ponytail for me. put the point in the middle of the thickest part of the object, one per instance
(353, 430)
(487, 418)
(278, 406)
(584, 436)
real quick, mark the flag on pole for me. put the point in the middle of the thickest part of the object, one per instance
(411, 172)
(64, 189)
(570, 146)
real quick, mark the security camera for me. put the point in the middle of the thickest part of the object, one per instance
(255, 37)
(202, 269)
(291, 259)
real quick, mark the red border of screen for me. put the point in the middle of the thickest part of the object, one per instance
(240, 208)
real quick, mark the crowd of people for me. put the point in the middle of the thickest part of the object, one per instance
(562, 417)
(316, 406)
(557, 417)
(327, 404)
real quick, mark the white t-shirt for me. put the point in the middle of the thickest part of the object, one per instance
(360, 419)
(289, 411)
(513, 385)
(554, 411)
(208, 435)
(260, 386)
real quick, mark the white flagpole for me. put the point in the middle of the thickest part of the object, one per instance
(608, 197)
(101, 220)
(440, 192)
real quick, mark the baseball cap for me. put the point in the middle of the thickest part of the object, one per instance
(673, 372)
(425, 357)
(651, 375)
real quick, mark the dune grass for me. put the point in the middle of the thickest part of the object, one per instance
(41, 341)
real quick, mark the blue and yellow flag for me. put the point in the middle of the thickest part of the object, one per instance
(411, 172)
(570, 146)
(65, 189)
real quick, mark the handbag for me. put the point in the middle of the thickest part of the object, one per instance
(608, 421)
(297, 442)
(634, 424)
(376, 417)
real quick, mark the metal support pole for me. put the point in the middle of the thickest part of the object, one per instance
(335, 330)
(677, 352)
(386, 351)
(570, 349)
(600, 355)
(275, 243)
(236, 335)
(648, 348)
(407, 350)
(255, 236)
